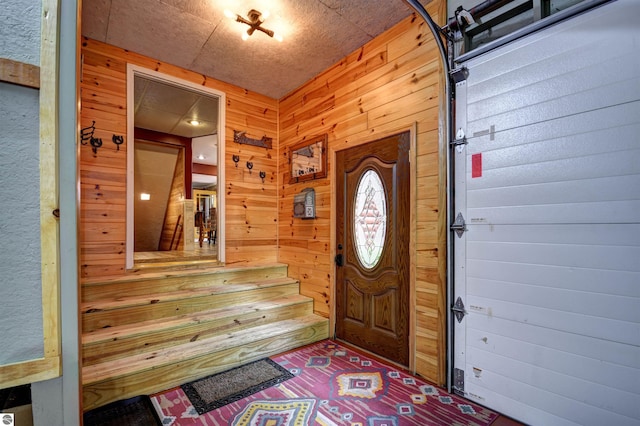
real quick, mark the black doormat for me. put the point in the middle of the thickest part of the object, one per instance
(136, 411)
(229, 386)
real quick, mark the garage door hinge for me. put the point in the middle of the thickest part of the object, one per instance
(458, 309)
(459, 225)
(458, 381)
(460, 140)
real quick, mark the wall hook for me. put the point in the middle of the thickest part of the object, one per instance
(96, 143)
(236, 159)
(263, 175)
(249, 166)
(86, 136)
(87, 133)
(118, 140)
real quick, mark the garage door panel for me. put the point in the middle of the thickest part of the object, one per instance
(570, 387)
(515, 152)
(602, 97)
(617, 377)
(621, 283)
(614, 258)
(605, 234)
(599, 212)
(540, 68)
(620, 163)
(619, 188)
(578, 302)
(584, 124)
(607, 352)
(560, 41)
(582, 411)
(599, 328)
(552, 84)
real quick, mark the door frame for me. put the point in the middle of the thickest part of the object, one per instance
(133, 70)
(333, 150)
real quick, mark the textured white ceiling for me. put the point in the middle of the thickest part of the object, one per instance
(195, 34)
(169, 109)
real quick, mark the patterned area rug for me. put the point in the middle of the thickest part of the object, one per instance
(224, 388)
(333, 385)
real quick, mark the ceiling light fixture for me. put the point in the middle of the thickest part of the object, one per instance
(255, 21)
(194, 122)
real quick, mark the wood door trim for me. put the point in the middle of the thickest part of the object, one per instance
(332, 155)
(19, 73)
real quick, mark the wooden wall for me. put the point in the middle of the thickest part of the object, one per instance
(251, 205)
(388, 85)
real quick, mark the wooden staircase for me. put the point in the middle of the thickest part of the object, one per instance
(154, 331)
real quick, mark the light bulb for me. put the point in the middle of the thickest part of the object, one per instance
(278, 37)
(229, 14)
(245, 36)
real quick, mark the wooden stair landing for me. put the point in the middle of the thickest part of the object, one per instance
(168, 329)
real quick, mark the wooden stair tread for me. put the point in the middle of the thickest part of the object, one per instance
(154, 330)
(148, 361)
(130, 301)
(179, 265)
(155, 325)
(151, 275)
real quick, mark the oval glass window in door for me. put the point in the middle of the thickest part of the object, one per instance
(370, 218)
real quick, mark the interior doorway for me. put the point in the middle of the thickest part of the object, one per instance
(172, 112)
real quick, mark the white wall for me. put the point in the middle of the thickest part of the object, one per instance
(21, 330)
(20, 30)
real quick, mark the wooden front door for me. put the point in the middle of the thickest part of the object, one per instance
(372, 237)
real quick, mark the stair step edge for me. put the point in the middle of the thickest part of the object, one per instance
(140, 328)
(148, 361)
(214, 270)
(131, 301)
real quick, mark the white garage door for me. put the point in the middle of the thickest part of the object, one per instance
(549, 187)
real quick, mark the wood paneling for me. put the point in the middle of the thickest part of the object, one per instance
(19, 73)
(389, 85)
(250, 229)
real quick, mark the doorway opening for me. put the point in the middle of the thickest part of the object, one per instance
(175, 137)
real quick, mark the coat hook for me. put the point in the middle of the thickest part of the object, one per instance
(263, 175)
(96, 143)
(236, 159)
(87, 133)
(249, 166)
(118, 140)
